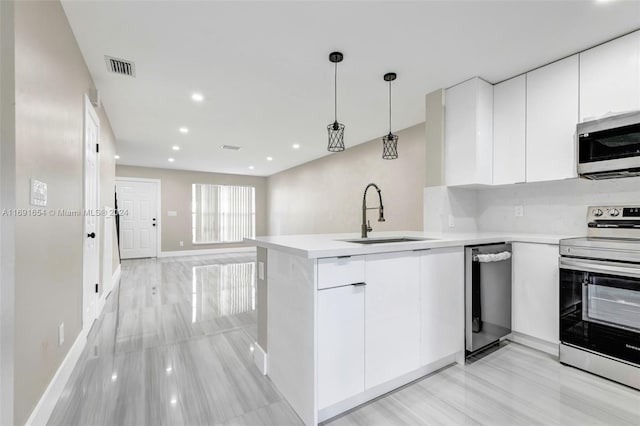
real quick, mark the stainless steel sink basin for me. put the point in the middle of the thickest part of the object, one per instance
(384, 240)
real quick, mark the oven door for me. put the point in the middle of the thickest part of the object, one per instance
(600, 307)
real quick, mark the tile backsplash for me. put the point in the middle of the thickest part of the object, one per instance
(557, 207)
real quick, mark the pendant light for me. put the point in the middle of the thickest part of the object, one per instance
(390, 142)
(335, 130)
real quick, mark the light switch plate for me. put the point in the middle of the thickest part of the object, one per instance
(172, 213)
(38, 193)
(452, 221)
(61, 334)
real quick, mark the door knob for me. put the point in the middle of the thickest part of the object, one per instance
(91, 235)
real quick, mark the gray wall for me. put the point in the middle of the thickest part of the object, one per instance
(51, 80)
(325, 195)
(176, 196)
(7, 201)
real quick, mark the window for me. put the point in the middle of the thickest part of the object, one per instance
(223, 214)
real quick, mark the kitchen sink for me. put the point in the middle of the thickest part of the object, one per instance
(384, 240)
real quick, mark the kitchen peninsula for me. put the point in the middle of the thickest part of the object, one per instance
(342, 320)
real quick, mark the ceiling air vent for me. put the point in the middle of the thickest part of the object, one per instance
(231, 147)
(120, 66)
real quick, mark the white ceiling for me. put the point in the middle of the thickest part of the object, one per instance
(264, 71)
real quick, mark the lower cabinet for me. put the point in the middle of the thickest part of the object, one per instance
(340, 343)
(441, 303)
(392, 316)
(535, 291)
(409, 314)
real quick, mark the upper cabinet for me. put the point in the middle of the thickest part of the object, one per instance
(509, 121)
(610, 77)
(552, 116)
(469, 133)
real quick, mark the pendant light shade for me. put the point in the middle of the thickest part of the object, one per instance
(335, 130)
(390, 141)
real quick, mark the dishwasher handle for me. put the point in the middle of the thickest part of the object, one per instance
(492, 257)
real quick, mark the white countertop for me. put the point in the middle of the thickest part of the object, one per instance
(314, 246)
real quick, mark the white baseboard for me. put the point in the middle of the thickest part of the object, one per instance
(207, 251)
(535, 343)
(107, 290)
(260, 358)
(40, 415)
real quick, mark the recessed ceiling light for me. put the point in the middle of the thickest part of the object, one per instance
(175, 148)
(295, 146)
(117, 157)
(174, 401)
(184, 130)
(269, 158)
(171, 160)
(251, 167)
(197, 97)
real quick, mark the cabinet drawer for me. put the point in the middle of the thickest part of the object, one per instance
(338, 271)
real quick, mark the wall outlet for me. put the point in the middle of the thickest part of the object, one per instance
(518, 211)
(181, 243)
(452, 221)
(61, 334)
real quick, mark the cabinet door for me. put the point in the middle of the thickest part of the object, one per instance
(509, 108)
(392, 316)
(340, 344)
(441, 304)
(535, 292)
(610, 77)
(552, 116)
(469, 133)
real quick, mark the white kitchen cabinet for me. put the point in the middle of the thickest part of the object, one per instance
(392, 316)
(340, 344)
(469, 133)
(535, 291)
(552, 116)
(610, 77)
(441, 303)
(337, 271)
(509, 131)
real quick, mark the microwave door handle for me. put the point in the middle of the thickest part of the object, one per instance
(602, 267)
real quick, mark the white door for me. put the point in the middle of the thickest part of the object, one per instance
(137, 202)
(90, 252)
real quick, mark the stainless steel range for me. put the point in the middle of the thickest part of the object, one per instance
(600, 295)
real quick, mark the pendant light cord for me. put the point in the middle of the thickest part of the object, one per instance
(335, 91)
(389, 107)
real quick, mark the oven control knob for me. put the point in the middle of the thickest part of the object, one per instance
(614, 212)
(597, 212)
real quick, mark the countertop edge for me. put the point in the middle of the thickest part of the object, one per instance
(311, 246)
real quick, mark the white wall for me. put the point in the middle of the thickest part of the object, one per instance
(557, 207)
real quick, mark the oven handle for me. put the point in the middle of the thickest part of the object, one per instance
(613, 268)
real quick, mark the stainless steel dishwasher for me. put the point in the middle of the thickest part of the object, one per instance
(487, 295)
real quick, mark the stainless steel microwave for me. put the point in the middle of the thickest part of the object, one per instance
(609, 147)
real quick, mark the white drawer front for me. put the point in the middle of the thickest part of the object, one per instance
(339, 271)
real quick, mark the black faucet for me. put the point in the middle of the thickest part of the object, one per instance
(366, 226)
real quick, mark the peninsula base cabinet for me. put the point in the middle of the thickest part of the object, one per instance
(392, 316)
(535, 292)
(404, 320)
(441, 304)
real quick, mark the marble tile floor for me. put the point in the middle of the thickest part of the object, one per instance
(172, 347)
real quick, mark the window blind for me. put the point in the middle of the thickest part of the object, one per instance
(222, 213)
